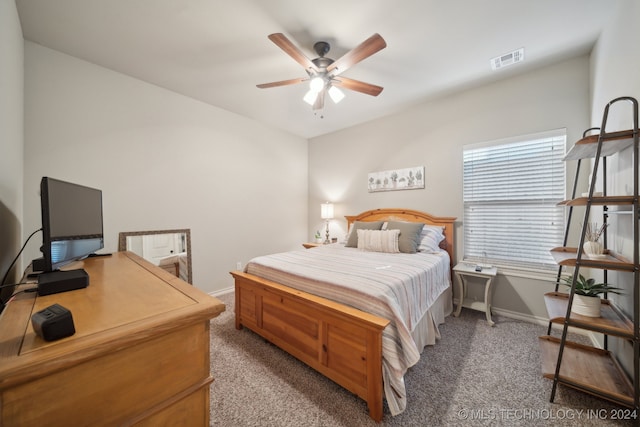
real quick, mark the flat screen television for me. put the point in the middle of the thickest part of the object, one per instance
(71, 222)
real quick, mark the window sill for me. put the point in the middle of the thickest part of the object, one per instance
(532, 271)
(528, 273)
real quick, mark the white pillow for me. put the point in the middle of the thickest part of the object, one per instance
(378, 240)
(430, 238)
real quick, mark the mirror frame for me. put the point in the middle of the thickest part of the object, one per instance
(122, 242)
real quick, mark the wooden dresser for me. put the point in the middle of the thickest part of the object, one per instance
(140, 354)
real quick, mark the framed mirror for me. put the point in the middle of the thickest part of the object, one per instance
(168, 249)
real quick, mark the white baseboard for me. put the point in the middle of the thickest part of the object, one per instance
(543, 321)
(222, 292)
(521, 316)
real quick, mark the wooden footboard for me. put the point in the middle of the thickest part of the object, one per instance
(340, 342)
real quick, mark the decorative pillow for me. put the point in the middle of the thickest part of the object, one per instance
(409, 235)
(378, 240)
(430, 238)
(352, 240)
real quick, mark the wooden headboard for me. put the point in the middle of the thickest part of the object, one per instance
(412, 216)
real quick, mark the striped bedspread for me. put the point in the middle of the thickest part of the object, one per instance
(399, 287)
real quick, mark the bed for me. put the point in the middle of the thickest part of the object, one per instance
(361, 341)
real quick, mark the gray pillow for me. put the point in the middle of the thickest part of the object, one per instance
(352, 241)
(409, 239)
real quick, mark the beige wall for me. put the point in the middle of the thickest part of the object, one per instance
(11, 136)
(163, 161)
(88, 124)
(433, 134)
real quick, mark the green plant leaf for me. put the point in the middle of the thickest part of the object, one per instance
(589, 287)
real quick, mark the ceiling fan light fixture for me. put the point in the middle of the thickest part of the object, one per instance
(316, 84)
(310, 97)
(322, 70)
(336, 94)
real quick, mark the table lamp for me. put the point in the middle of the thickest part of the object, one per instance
(326, 213)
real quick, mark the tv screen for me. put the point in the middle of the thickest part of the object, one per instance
(71, 222)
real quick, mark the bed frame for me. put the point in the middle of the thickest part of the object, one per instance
(340, 342)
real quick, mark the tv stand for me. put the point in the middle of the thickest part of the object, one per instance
(54, 282)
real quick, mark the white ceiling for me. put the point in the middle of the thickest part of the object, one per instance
(217, 51)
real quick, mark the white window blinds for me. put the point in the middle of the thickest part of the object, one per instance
(511, 191)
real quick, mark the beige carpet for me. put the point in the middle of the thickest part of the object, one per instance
(474, 375)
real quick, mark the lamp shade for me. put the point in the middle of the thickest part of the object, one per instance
(310, 97)
(336, 94)
(316, 84)
(326, 210)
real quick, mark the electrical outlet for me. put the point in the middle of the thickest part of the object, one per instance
(238, 265)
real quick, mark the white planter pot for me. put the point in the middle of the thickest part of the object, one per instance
(593, 248)
(586, 306)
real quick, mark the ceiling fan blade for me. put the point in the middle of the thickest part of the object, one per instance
(319, 104)
(364, 50)
(282, 83)
(290, 49)
(357, 85)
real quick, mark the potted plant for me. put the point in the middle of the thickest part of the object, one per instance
(586, 300)
(318, 236)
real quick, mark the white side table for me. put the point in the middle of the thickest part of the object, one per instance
(464, 270)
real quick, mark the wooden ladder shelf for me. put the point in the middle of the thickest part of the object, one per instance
(594, 370)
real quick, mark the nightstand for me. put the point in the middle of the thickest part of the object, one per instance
(463, 271)
(311, 245)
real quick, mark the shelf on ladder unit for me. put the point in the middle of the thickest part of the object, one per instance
(613, 142)
(600, 201)
(567, 256)
(592, 370)
(611, 321)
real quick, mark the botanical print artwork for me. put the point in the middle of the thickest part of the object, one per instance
(397, 179)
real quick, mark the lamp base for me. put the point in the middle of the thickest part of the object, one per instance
(327, 240)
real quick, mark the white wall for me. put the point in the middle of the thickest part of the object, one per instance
(163, 161)
(433, 134)
(11, 136)
(615, 68)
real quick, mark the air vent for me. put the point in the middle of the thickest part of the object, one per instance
(507, 59)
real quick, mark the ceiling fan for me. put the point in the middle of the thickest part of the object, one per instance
(324, 74)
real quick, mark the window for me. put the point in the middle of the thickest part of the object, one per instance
(511, 191)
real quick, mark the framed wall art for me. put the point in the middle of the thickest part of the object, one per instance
(396, 179)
